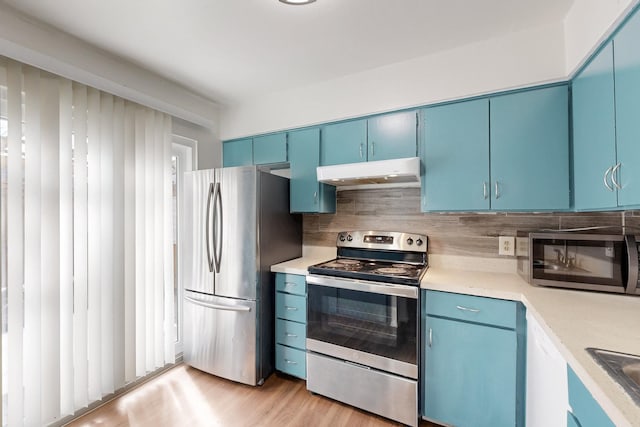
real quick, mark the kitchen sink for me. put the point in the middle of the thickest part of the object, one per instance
(624, 368)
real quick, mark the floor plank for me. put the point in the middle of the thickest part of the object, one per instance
(184, 396)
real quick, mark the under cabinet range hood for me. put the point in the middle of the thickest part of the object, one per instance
(397, 172)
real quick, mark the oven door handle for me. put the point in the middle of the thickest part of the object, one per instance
(405, 291)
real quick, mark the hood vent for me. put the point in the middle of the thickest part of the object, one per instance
(396, 172)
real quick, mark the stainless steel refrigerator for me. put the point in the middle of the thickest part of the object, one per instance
(236, 225)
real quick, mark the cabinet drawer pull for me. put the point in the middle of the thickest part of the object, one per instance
(290, 335)
(613, 176)
(288, 307)
(484, 190)
(290, 284)
(360, 150)
(373, 149)
(472, 310)
(604, 178)
(497, 190)
(430, 337)
(290, 362)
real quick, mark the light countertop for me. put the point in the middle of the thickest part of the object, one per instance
(573, 320)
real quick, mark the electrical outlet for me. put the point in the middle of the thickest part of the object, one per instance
(507, 245)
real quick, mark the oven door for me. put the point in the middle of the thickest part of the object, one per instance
(368, 323)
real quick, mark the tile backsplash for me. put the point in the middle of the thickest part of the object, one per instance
(470, 234)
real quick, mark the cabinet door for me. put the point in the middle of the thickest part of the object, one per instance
(270, 149)
(392, 136)
(237, 153)
(585, 408)
(627, 84)
(344, 143)
(455, 157)
(470, 374)
(307, 194)
(530, 150)
(594, 132)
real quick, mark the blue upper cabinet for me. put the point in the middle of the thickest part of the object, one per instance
(455, 157)
(307, 194)
(270, 149)
(627, 101)
(388, 136)
(237, 153)
(585, 409)
(344, 143)
(529, 140)
(392, 136)
(594, 132)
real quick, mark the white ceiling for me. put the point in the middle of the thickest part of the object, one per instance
(230, 50)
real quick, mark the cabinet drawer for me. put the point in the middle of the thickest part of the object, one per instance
(291, 333)
(291, 361)
(470, 308)
(291, 283)
(291, 307)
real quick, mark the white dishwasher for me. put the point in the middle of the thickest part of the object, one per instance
(547, 389)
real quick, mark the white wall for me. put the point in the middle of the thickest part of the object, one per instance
(516, 60)
(42, 46)
(587, 24)
(208, 145)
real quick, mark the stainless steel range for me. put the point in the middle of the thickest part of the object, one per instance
(363, 323)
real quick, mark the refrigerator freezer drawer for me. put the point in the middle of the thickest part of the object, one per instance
(220, 336)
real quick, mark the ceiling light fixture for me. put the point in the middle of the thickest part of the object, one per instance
(297, 2)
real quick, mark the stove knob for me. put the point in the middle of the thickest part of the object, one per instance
(349, 238)
(342, 237)
(409, 241)
(419, 242)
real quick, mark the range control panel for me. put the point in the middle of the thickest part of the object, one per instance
(387, 240)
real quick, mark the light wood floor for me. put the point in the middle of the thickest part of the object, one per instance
(184, 396)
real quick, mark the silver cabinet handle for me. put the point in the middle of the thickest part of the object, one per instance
(484, 190)
(430, 337)
(373, 148)
(290, 362)
(497, 190)
(472, 310)
(290, 335)
(604, 178)
(613, 175)
(315, 197)
(290, 283)
(287, 307)
(361, 150)
(218, 306)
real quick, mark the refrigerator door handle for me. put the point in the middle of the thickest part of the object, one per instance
(218, 221)
(207, 231)
(218, 306)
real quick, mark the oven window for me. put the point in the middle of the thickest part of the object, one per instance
(383, 325)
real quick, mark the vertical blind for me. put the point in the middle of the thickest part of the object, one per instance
(87, 261)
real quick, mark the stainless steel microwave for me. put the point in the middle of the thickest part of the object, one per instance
(595, 262)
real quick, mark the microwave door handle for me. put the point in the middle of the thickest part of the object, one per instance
(632, 257)
(207, 234)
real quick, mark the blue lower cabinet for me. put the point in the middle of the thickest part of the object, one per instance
(584, 408)
(572, 421)
(291, 361)
(291, 324)
(473, 373)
